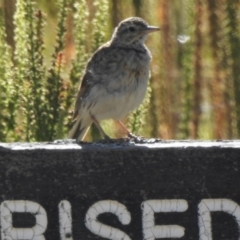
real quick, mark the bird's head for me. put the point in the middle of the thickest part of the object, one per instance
(132, 30)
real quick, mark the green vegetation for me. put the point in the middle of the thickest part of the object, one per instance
(194, 91)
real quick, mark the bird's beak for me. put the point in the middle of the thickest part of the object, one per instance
(150, 29)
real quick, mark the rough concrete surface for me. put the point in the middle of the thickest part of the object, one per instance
(125, 185)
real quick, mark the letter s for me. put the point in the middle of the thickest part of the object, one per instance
(103, 230)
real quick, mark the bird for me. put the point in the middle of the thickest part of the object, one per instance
(115, 79)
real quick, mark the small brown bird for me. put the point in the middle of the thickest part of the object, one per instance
(115, 79)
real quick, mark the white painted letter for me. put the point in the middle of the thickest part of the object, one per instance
(21, 206)
(152, 231)
(65, 220)
(206, 206)
(103, 230)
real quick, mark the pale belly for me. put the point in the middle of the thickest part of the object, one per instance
(121, 89)
(118, 104)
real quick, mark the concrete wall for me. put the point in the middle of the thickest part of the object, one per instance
(187, 190)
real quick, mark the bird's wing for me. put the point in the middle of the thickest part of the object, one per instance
(82, 90)
(103, 63)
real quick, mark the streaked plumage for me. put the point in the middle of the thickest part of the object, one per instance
(115, 79)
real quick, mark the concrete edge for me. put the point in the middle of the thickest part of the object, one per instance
(68, 144)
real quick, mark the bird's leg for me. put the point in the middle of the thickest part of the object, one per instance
(106, 137)
(130, 135)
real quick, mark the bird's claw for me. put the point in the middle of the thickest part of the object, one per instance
(135, 138)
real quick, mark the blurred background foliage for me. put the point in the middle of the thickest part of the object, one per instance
(194, 90)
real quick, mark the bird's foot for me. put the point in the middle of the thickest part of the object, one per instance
(141, 139)
(135, 138)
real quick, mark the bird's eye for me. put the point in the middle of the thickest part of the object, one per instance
(131, 29)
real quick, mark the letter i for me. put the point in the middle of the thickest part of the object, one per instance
(65, 220)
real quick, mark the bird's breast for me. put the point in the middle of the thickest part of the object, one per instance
(130, 70)
(129, 86)
(123, 89)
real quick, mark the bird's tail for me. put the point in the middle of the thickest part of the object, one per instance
(80, 128)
